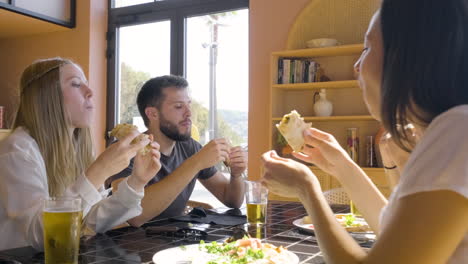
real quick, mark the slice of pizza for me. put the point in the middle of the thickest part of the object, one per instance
(291, 127)
(122, 130)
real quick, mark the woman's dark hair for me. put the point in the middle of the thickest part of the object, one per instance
(425, 66)
(151, 93)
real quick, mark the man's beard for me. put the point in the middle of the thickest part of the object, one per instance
(171, 131)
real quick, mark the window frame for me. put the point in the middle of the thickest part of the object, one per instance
(11, 6)
(174, 10)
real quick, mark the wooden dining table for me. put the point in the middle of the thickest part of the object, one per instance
(138, 245)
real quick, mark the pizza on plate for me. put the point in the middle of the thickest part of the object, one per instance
(349, 221)
(248, 251)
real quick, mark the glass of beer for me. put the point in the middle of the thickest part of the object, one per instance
(62, 218)
(353, 209)
(256, 197)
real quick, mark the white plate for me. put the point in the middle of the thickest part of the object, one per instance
(304, 227)
(186, 255)
(309, 228)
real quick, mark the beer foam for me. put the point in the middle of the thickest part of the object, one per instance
(62, 210)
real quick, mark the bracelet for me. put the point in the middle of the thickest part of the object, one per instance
(390, 168)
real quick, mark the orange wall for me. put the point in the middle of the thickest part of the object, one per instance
(97, 66)
(84, 44)
(270, 21)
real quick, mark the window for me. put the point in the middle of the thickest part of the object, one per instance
(217, 59)
(123, 3)
(206, 41)
(143, 53)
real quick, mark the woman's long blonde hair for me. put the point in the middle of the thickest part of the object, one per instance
(42, 112)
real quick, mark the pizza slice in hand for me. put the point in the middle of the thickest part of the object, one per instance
(122, 130)
(291, 127)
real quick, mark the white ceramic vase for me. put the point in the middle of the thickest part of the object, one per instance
(322, 106)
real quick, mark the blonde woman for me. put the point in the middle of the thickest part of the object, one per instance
(50, 153)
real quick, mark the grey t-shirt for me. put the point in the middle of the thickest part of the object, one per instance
(182, 151)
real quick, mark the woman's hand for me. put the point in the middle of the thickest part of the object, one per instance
(286, 177)
(324, 151)
(114, 159)
(145, 167)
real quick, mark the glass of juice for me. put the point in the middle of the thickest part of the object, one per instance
(62, 218)
(256, 198)
(353, 209)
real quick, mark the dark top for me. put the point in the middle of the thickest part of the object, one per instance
(182, 151)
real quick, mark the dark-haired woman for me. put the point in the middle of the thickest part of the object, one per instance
(413, 70)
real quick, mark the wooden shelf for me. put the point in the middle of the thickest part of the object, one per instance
(332, 118)
(318, 85)
(337, 62)
(342, 50)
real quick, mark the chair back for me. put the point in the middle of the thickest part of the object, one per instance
(4, 133)
(336, 196)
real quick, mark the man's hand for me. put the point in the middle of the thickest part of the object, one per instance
(237, 161)
(145, 167)
(215, 151)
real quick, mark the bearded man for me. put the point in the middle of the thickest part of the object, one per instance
(165, 106)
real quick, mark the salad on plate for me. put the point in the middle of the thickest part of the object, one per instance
(242, 251)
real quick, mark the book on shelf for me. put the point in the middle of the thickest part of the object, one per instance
(286, 70)
(280, 71)
(298, 73)
(298, 70)
(292, 72)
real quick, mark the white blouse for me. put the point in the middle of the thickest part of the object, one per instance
(439, 162)
(23, 186)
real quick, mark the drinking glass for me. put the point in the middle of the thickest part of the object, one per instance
(353, 209)
(62, 218)
(256, 198)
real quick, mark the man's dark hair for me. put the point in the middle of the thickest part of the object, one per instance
(425, 66)
(151, 93)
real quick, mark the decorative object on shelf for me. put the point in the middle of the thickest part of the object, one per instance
(322, 42)
(324, 78)
(352, 143)
(371, 160)
(322, 106)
